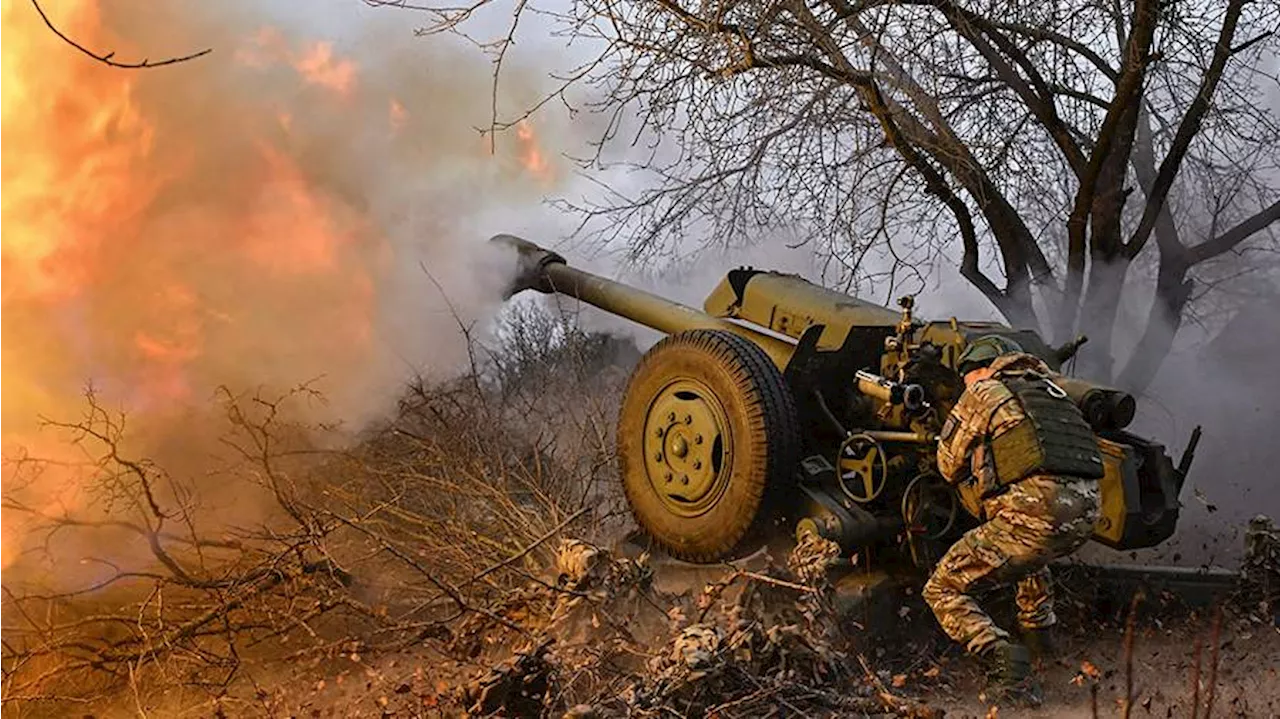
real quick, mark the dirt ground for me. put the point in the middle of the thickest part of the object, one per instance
(1247, 684)
(1163, 670)
(887, 624)
(913, 656)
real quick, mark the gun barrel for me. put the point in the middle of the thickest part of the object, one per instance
(547, 272)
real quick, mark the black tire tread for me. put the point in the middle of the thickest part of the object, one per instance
(770, 410)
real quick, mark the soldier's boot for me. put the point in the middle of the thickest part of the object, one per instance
(1041, 643)
(1010, 679)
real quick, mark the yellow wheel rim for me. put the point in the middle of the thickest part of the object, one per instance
(687, 447)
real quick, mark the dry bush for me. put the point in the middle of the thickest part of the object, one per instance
(163, 594)
(600, 640)
(198, 587)
(458, 495)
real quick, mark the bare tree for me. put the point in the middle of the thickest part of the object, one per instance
(1022, 129)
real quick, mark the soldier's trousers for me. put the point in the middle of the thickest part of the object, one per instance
(1034, 522)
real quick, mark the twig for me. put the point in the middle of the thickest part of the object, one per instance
(896, 704)
(1215, 638)
(1128, 654)
(524, 552)
(107, 59)
(776, 582)
(1195, 681)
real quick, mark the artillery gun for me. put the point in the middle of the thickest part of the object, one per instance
(783, 407)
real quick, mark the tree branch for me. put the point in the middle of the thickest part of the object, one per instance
(1187, 130)
(1041, 33)
(107, 59)
(936, 184)
(1234, 236)
(1039, 100)
(1133, 73)
(1018, 247)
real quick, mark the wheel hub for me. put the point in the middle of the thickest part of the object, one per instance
(686, 447)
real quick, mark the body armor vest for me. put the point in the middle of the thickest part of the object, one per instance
(1053, 439)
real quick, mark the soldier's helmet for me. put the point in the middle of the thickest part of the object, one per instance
(982, 351)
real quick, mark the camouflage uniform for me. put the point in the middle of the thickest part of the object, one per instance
(1033, 522)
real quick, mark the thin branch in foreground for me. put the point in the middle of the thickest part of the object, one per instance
(1215, 636)
(1195, 681)
(1129, 629)
(107, 58)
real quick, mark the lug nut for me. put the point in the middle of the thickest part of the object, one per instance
(697, 464)
(657, 432)
(684, 479)
(671, 417)
(697, 439)
(657, 456)
(688, 419)
(669, 476)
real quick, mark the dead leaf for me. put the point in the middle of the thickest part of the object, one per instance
(932, 672)
(899, 680)
(993, 712)
(1089, 669)
(1203, 500)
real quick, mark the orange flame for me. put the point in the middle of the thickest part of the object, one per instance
(315, 62)
(531, 154)
(60, 182)
(169, 231)
(159, 274)
(317, 65)
(397, 115)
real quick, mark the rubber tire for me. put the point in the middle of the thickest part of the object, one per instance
(764, 430)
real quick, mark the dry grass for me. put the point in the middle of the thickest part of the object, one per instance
(151, 595)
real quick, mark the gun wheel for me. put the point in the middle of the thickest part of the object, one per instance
(930, 513)
(707, 432)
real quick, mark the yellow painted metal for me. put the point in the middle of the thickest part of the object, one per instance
(871, 388)
(687, 445)
(862, 468)
(950, 336)
(1111, 518)
(653, 311)
(790, 304)
(542, 270)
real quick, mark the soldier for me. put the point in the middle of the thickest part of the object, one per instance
(1026, 464)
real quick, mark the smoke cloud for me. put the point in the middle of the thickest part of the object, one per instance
(293, 207)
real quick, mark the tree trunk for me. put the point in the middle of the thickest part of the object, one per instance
(1172, 292)
(1098, 316)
